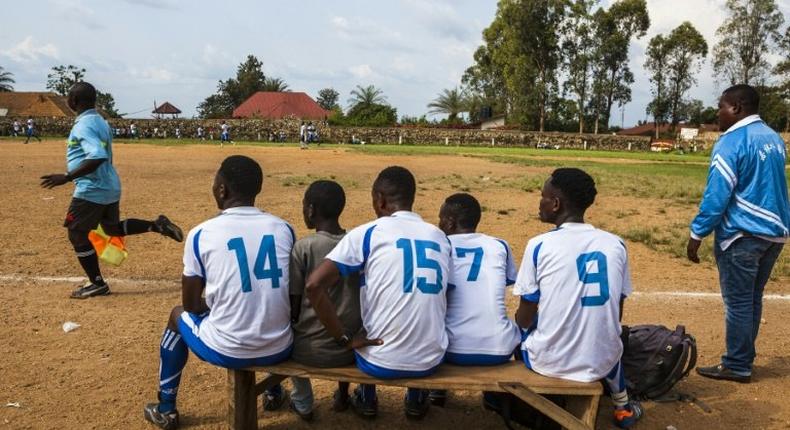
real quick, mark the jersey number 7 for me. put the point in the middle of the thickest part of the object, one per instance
(266, 252)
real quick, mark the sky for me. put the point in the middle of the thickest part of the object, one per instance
(146, 51)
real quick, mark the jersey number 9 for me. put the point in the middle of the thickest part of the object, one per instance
(600, 277)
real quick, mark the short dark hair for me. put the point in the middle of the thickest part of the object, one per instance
(84, 94)
(327, 197)
(397, 184)
(576, 185)
(744, 94)
(464, 208)
(243, 175)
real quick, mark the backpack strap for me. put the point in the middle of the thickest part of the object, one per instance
(686, 362)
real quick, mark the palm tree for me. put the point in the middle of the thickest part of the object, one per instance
(6, 80)
(450, 102)
(366, 96)
(274, 84)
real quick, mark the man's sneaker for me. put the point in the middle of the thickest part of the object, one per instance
(163, 420)
(417, 407)
(365, 408)
(305, 416)
(438, 397)
(628, 416)
(341, 400)
(90, 290)
(166, 228)
(719, 371)
(273, 401)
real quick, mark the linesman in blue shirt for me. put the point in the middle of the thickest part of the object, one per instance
(97, 190)
(745, 205)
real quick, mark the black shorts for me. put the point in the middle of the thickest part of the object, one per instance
(86, 216)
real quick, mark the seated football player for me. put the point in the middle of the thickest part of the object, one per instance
(577, 276)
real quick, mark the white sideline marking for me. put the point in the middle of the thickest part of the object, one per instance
(76, 279)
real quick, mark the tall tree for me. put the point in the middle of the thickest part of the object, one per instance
(782, 71)
(449, 102)
(578, 49)
(746, 40)
(327, 99)
(105, 102)
(658, 51)
(232, 92)
(6, 81)
(484, 80)
(366, 96)
(614, 28)
(274, 85)
(687, 50)
(62, 78)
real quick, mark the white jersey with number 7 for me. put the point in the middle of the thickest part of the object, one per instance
(405, 263)
(577, 275)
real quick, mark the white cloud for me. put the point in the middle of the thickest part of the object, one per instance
(154, 74)
(28, 51)
(156, 4)
(361, 71)
(74, 11)
(368, 34)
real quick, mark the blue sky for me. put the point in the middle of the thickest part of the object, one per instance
(177, 50)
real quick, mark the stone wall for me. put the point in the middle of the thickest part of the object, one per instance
(707, 139)
(266, 130)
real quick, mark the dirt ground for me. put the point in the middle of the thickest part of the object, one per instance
(99, 376)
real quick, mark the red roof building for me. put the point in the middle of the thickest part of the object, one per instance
(278, 105)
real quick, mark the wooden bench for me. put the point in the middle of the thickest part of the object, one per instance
(580, 412)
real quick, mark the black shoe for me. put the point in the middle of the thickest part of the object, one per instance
(341, 401)
(365, 409)
(306, 417)
(163, 420)
(166, 228)
(416, 409)
(438, 397)
(720, 372)
(90, 290)
(273, 402)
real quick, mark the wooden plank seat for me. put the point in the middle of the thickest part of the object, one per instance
(580, 412)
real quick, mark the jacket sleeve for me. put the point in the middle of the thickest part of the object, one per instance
(721, 185)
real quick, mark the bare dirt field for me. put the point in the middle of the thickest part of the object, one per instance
(100, 376)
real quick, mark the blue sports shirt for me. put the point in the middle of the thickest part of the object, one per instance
(91, 139)
(746, 191)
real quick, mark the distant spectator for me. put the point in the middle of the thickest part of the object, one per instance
(200, 134)
(31, 130)
(17, 128)
(178, 133)
(133, 130)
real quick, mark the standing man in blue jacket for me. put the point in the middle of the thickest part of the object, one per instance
(746, 206)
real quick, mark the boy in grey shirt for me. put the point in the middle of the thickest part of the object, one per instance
(322, 205)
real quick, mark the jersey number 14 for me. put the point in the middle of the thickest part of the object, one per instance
(266, 253)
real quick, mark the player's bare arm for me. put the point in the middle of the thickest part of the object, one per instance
(323, 277)
(526, 313)
(57, 179)
(192, 294)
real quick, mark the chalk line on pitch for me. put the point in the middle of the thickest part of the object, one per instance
(77, 279)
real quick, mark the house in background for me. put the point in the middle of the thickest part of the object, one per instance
(166, 109)
(34, 104)
(279, 105)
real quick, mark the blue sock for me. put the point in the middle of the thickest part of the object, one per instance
(416, 394)
(368, 393)
(173, 354)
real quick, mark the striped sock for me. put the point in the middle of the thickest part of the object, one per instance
(173, 354)
(615, 382)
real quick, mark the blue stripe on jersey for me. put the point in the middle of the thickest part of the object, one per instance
(346, 270)
(508, 281)
(366, 245)
(450, 287)
(535, 255)
(534, 297)
(293, 235)
(196, 250)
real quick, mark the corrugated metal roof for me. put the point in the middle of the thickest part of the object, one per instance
(277, 105)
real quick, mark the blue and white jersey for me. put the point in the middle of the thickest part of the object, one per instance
(747, 186)
(243, 254)
(577, 274)
(405, 263)
(91, 139)
(477, 320)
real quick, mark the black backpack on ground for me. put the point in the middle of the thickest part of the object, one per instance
(655, 358)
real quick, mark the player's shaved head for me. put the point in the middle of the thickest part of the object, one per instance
(242, 175)
(577, 187)
(82, 95)
(397, 185)
(744, 95)
(327, 199)
(464, 209)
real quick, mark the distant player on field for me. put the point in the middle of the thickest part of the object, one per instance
(405, 263)
(17, 127)
(303, 136)
(97, 190)
(322, 205)
(572, 283)
(239, 260)
(31, 130)
(224, 135)
(478, 327)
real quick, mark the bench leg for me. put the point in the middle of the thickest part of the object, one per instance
(584, 407)
(242, 412)
(561, 416)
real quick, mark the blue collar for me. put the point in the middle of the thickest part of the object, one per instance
(86, 113)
